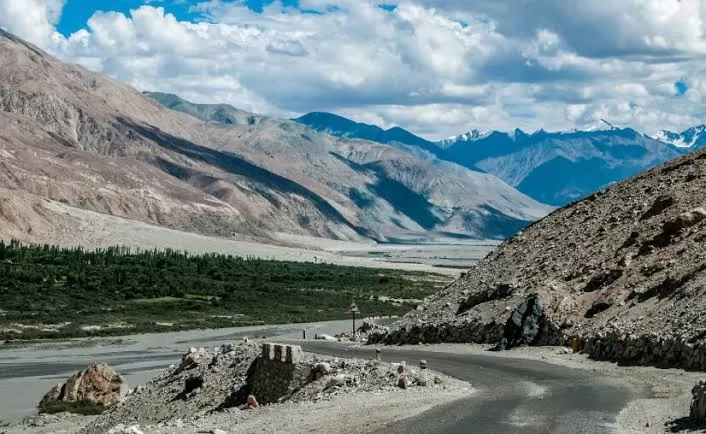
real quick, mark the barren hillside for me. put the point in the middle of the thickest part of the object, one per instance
(622, 271)
(78, 137)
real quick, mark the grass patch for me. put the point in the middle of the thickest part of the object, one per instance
(84, 408)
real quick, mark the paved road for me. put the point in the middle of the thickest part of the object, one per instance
(515, 395)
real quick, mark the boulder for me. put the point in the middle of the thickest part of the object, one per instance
(193, 358)
(98, 384)
(252, 403)
(322, 368)
(524, 325)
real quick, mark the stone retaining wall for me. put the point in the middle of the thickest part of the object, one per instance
(648, 350)
(279, 371)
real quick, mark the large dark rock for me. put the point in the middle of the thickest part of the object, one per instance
(524, 326)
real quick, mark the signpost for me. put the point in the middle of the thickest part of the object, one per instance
(353, 308)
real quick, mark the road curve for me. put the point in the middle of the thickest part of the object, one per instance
(514, 395)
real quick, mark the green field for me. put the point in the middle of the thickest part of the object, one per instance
(51, 292)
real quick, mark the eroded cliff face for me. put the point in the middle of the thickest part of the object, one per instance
(622, 271)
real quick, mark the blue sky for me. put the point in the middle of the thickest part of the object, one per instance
(77, 12)
(435, 67)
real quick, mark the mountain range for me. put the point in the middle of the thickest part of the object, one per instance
(552, 167)
(78, 139)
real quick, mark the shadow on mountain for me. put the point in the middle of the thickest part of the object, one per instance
(236, 166)
(571, 179)
(498, 225)
(406, 201)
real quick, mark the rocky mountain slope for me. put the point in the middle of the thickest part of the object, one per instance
(622, 271)
(77, 137)
(558, 168)
(217, 114)
(339, 126)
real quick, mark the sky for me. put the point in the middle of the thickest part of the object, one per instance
(435, 67)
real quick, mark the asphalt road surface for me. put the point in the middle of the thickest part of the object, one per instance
(514, 395)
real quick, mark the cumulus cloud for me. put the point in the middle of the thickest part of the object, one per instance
(33, 20)
(436, 67)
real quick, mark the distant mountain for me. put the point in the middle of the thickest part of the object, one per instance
(558, 168)
(72, 139)
(692, 138)
(554, 168)
(339, 126)
(470, 136)
(219, 114)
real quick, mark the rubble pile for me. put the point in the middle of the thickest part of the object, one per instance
(243, 377)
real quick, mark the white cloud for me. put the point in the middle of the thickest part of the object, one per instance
(33, 20)
(436, 67)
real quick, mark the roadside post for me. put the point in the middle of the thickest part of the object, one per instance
(423, 368)
(353, 309)
(378, 356)
(304, 334)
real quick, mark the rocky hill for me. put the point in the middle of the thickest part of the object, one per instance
(623, 272)
(74, 136)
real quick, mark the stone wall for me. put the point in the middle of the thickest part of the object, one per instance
(279, 371)
(615, 346)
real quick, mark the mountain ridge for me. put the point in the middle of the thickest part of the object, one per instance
(584, 161)
(74, 136)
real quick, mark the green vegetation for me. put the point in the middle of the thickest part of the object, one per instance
(85, 408)
(51, 292)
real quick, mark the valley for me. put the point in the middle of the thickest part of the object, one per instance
(205, 198)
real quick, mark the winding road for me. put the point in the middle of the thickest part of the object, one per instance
(513, 395)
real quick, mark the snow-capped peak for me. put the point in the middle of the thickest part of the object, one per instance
(690, 138)
(470, 136)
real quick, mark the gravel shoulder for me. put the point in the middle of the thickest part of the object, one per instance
(356, 413)
(352, 413)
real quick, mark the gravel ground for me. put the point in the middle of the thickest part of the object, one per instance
(351, 413)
